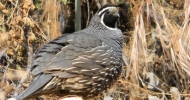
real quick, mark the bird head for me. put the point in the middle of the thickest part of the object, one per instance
(108, 15)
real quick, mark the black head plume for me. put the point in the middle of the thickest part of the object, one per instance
(123, 8)
(125, 16)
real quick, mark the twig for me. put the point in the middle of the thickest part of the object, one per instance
(125, 62)
(88, 9)
(143, 89)
(4, 74)
(112, 1)
(40, 30)
(92, 3)
(48, 20)
(162, 92)
(61, 20)
(2, 53)
(104, 2)
(98, 4)
(13, 10)
(30, 56)
(156, 88)
(71, 97)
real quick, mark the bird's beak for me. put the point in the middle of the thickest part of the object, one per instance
(117, 14)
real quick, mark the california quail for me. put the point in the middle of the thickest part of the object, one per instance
(83, 63)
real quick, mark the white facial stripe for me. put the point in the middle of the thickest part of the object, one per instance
(105, 25)
(105, 9)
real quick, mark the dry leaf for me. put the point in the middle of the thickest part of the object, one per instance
(16, 20)
(2, 95)
(7, 87)
(150, 97)
(153, 80)
(27, 4)
(186, 4)
(31, 37)
(3, 39)
(28, 21)
(149, 2)
(3, 8)
(10, 52)
(175, 93)
(14, 74)
(108, 98)
(71, 98)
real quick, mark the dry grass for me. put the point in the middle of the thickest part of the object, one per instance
(157, 54)
(173, 40)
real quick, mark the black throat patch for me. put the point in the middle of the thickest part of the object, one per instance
(108, 15)
(110, 20)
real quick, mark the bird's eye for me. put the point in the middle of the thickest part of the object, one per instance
(107, 12)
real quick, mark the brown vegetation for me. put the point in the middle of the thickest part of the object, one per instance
(156, 45)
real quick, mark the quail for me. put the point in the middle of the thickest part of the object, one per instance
(83, 63)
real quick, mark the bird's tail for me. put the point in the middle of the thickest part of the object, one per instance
(36, 84)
